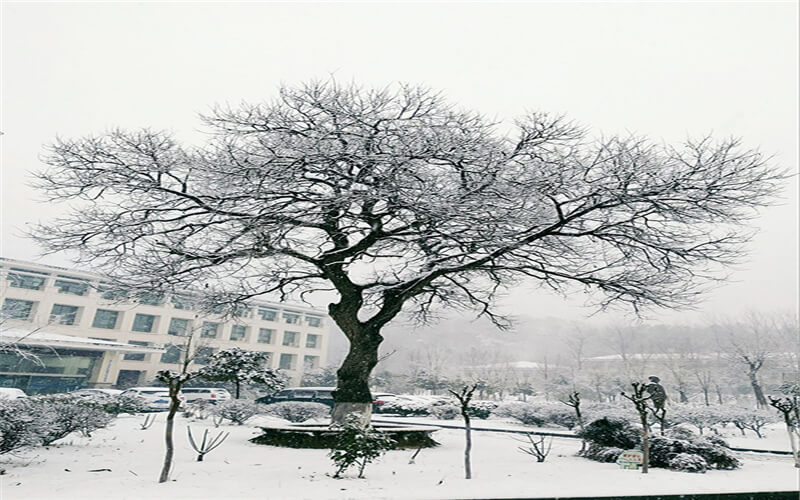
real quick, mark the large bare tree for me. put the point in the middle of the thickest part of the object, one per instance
(396, 200)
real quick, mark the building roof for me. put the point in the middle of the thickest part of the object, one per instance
(43, 338)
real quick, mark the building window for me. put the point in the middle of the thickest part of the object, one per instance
(202, 355)
(243, 312)
(291, 339)
(135, 356)
(179, 327)
(17, 280)
(209, 330)
(238, 332)
(265, 335)
(104, 318)
(314, 321)
(143, 323)
(72, 287)
(63, 314)
(291, 318)
(17, 309)
(109, 292)
(312, 341)
(310, 362)
(287, 361)
(150, 299)
(267, 314)
(171, 354)
(181, 302)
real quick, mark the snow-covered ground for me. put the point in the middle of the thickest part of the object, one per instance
(241, 470)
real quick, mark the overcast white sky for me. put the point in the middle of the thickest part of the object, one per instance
(666, 70)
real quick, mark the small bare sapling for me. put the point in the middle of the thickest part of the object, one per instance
(148, 421)
(206, 446)
(539, 446)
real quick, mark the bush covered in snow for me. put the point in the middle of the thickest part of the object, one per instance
(601, 453)
(688, 462)
(527, 413)
(407, 407)
(679, 449)
(62, 415)
(19, 425)
(481, 409)
(43, 420)
(713, 450)
(116, 405)
(296, 411)
(237, 411)
(611, 432)
(199, 409)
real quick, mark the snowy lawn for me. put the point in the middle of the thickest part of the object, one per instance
(239, 469)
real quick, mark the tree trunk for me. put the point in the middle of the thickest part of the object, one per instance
(168, 433)
(761, 401)
(352, 395)
(645, 443)
(237, 388)
(467, 448)
(705, 396)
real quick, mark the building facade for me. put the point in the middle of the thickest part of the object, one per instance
(62, 301)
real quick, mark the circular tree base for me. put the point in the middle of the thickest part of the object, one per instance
(323, 437)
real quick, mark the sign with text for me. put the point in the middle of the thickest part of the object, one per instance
(630, 459)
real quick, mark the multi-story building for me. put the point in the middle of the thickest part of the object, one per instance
(61, 301)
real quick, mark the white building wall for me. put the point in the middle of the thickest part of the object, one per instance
(49, 294)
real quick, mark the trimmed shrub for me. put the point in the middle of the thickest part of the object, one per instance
(601, 453)
(444, 410)
(481, 409)
(688, 462)
(407, 407)
(296, 411)
(608, 432)
(713, 451)
(237, 411)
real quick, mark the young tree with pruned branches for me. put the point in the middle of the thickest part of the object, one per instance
(397, 201)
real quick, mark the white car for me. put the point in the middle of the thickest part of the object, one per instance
(210, 394)
(12, 393)
(96, 393)
(156, 398)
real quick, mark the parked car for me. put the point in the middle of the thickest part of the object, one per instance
(211, 394)
(322, 395)
(96, 393)
(12, 393)
(156, 398)
(379, 398)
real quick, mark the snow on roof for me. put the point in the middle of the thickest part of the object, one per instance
(43, 338)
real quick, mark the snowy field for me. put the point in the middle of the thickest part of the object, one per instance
(241, 470)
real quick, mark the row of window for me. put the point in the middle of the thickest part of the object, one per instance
(146, 323)
(173, 353)
(35, 280)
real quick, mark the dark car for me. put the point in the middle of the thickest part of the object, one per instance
(322, 395)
